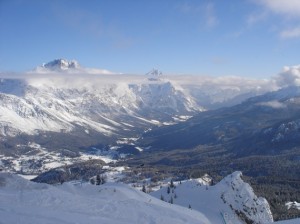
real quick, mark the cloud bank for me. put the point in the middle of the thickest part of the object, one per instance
(273, 104)
(290, 76)
(90, 77)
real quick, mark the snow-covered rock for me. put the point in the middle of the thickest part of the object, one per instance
(63, 66)
(58, 65)
(231, 200)
(294, 205)
(241, 198)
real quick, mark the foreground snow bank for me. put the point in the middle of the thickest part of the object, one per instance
(24, 202)
(292, 221)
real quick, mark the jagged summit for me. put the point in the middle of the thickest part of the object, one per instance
(61, 65)
(69, 67)
(154, 72)
(154, 75)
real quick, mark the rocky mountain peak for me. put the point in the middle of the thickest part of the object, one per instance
(61, 64)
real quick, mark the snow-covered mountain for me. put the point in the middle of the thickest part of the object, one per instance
(231, 200)
(62, 105)
(66, 66)
(61, 96)
(271, 118)
(61, 64)
(80, 111)
(69, 97)
(107, 109)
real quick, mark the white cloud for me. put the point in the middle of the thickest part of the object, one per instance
(273, 104)
(290, 76)
(290, 33)
(286, 7)
(225, 82)
(289, 10)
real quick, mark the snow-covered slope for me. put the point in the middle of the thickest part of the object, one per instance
(231, 200)
(69, 107)
(291, 221)
(24, 202)
(61, 95)
(61, 104)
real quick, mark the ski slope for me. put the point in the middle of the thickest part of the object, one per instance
(26, 202)
(22, 201)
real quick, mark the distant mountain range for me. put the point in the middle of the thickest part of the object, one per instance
(270, 121)
(61, 98)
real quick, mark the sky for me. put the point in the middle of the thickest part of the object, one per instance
(249, 38)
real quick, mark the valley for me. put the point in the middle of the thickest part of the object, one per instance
(149, 112)
(147, 130)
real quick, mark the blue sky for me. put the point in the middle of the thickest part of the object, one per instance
(251, 38)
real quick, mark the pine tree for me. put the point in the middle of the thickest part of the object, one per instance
(98, 179)
(92, 181)
(172, 183)
(162, 197)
